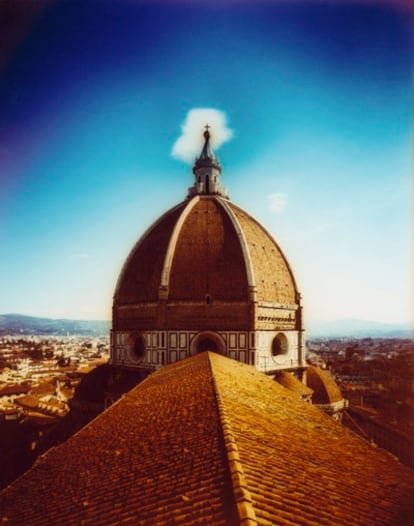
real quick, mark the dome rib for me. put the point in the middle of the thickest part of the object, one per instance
(169, 255)
(246, 254)
(208, 263)
(266, 264)
(142, 283)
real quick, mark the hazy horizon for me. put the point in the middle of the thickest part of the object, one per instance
(310, 322)
(318, 100)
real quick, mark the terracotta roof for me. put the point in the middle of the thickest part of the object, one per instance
(209, 440)
(302, 467)
(28, 401)
(325, 389)
(14, 389)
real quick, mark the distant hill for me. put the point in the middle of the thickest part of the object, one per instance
(350, 328)
(15, 324)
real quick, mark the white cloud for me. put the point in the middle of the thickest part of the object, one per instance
(277, 202)
(188, 146)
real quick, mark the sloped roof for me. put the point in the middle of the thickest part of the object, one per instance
(209, 440)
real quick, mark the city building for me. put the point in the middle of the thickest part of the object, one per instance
(207, 276)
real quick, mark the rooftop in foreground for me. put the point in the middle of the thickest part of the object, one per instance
(209, 440)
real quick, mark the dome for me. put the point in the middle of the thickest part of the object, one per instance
(290, 382)
(207, 276)
(325, 389)
(206, 250)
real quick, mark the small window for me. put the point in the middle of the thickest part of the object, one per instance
(279, 345)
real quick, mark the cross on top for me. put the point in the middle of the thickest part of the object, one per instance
(206, 133)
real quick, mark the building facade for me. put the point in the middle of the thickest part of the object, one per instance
(207, 276)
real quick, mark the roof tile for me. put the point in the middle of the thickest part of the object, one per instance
(242, 454)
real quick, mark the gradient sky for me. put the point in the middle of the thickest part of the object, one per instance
(318, 95)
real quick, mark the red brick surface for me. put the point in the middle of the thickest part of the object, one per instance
(274, 280)
(208, 258)
(302, 467)
(209, 440)
(156, 457)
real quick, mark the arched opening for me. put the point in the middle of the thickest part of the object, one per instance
(207, 341)
(279, 345)
(206, 344)
(138, 347)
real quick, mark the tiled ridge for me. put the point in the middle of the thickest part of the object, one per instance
(156, 457)
(301, 467)
(242, 495)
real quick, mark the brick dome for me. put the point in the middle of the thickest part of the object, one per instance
(205, 250)
(325, 389)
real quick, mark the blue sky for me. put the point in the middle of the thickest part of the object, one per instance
(318, 95)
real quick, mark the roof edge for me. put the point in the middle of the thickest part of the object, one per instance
(243, 499)
(140, 241)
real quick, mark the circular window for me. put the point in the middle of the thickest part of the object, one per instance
(279, 345)
(138, 347)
